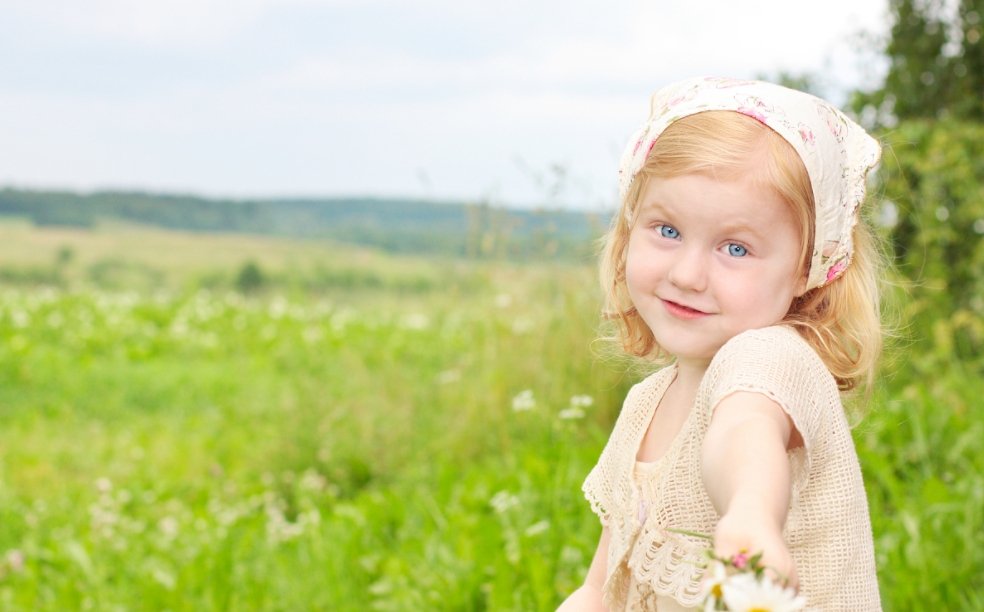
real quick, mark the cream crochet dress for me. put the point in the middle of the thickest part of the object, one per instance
(827, 528)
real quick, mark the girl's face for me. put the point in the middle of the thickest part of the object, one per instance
(709, 259)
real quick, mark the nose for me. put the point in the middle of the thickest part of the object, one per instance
(688, 271)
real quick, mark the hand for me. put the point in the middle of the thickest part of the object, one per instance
(749, 532)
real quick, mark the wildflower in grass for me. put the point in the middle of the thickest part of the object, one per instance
(416, 321)
(523, 325)
(311, 480)
(576, 409)
(448, 376)
(168, 526)
(20, 319)
(503, 300)
(524, 401)
(537, 528)
(582, 401)
(278, 307)
(570, 413)
(503, 500)
(341, 319)
(571, 555)
(15, 560)
(312, 334)
(12, 562)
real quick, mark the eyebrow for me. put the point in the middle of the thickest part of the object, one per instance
(742, 225)
(649, 206)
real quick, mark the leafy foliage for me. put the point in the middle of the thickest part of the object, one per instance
(933, 185)
(936, 64)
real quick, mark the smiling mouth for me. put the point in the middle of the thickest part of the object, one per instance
(683, 312)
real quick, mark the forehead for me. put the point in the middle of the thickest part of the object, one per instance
(735, 202)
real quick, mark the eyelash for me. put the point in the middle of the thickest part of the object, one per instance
(664, 228)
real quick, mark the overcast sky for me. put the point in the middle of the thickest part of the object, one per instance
(439, 99)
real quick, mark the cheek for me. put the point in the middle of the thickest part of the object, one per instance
(641, 268)
(765, 299)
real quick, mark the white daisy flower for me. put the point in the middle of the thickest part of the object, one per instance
(743, 593)
(711, 589)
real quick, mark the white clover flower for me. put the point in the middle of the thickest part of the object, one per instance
(570, 413)
(743, 593)
(582, 401)
(524, 401)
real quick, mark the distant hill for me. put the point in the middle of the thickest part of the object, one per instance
(410, 226)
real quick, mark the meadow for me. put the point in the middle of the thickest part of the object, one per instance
(208, 422)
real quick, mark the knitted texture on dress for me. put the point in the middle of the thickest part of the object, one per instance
(827, 529)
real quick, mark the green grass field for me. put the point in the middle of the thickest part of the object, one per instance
(370, 432)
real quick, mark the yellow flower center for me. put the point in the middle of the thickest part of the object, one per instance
(716, 591)
(758, 610)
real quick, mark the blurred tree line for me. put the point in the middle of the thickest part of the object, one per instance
(475, 230)
(929, 114)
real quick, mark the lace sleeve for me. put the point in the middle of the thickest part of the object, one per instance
(779, 364)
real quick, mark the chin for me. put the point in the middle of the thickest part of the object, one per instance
(689, 350)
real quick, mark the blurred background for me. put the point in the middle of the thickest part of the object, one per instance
(425, 99)
(298, 299)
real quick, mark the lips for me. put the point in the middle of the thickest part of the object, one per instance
(683, 312)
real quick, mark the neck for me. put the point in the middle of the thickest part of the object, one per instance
(690, 372)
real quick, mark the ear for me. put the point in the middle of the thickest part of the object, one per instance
(800, 288)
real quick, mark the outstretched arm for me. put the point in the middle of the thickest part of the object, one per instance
(746, 474)
(588, 597)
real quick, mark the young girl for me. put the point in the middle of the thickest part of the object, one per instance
(738, 252)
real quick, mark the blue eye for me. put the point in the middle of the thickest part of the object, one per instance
(737, 250)
(668, 232)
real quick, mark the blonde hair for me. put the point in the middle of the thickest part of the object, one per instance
(840, 320)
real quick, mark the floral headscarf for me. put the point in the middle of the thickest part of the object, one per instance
(836, 151)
